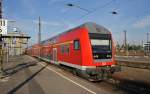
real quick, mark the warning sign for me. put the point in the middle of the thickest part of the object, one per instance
(3, 26)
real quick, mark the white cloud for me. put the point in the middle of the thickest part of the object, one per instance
(145, 22)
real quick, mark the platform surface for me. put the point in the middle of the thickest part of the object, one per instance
(26, 75)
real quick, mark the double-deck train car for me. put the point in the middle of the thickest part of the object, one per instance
(87, 50)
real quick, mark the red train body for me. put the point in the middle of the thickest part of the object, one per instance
(88, 50)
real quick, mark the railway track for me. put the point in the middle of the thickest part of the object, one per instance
(130, 87)
(133, 61)
(134, 64)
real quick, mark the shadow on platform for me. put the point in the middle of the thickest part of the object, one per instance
(12, 70)
(26, 81)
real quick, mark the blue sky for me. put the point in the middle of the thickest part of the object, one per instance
(133, 16)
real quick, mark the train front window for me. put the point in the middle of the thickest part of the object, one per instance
(101, 46)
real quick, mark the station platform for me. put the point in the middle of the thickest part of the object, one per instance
(27, 75)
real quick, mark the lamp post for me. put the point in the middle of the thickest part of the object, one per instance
(1, 51)
(148, 45)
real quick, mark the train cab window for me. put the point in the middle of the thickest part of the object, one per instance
(76, 45)
(101, 46)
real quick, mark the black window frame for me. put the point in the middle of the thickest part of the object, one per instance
(74, 45)
(67, 49)
(62, 49)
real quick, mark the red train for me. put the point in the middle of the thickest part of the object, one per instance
(88, 50)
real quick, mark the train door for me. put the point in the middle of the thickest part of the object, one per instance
(55, 55)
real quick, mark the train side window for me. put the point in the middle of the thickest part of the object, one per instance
(62, 49)
(67, 49)
(76, 45)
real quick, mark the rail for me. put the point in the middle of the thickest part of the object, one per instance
(134, 64)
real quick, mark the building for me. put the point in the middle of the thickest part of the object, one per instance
(15, 43)
(146, 47)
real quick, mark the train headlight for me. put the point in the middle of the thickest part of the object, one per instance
(108, 56)
(95, 56)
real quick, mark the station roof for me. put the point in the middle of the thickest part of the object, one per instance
(15, 36)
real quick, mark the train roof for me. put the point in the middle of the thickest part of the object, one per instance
(95, 28)
(92, 28)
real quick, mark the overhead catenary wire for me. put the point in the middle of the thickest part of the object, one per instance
(94, 10)
(89, 12)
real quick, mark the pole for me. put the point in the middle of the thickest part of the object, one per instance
(1, 57)
(39, 36)
(125, 43)
(1, 50)
(147, 37)
(125, 40)
(7, 53)
(148, 46)
(134, 50)
(1, 9)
